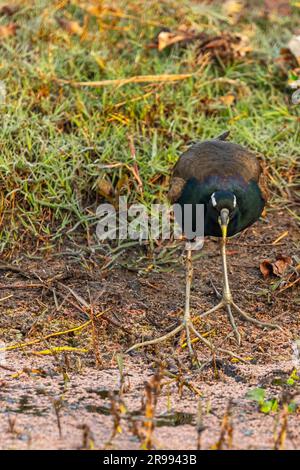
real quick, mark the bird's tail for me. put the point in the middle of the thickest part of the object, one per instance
(223, 136)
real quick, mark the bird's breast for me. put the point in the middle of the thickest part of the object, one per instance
(250, 203)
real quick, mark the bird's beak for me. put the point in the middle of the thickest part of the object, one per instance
(223, 221)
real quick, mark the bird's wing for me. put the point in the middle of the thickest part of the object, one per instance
(223, 136)
(176, 187)
(262, 184)
(214, 158)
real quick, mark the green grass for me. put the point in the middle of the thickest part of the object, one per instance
(55, 139)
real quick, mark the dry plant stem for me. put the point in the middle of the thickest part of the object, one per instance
(124, 81)
(52, 335)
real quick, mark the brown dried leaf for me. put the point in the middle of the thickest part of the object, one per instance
(228, 100)
(286, 61)
(183, 35)
(94, 10)
(241, 47)
(122, 184)
(281, 264)
(278, 268)
(105, 188)
(278, 7)
(8, 30)
(226, 47)
(72, 27)
(166, 39)
(9, 10)
(43, 92)
(266, 268)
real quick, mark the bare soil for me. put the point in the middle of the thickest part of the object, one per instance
(76, 399)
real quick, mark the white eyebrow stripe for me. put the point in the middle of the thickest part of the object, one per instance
(213, 199)
(234, 200)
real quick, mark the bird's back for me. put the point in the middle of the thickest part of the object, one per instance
(219, 158)
(216, 165)
(222, 160)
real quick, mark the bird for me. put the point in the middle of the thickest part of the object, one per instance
(227, 179)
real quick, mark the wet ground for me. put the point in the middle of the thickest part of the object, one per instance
(30, 404)
(79, 390)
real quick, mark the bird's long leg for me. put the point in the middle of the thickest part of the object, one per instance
(247, 317)
(228, 303)
(185, 324)
(187, 314)
(186, 321)
(211, 310)
(232, 322)
(157, 340)
(226, 289)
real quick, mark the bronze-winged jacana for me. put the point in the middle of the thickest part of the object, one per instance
(227, 179)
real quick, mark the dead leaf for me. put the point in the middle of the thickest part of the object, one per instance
(122, 184)
(105, 188)
(8, 30)
(182, 35)
(9, 10)
(286, 61)
(43, 92)
(94, 10)
(168, 38)
(266, 268)
(227, 100)
(278, 268)
(281, 264)
(278, 7)
(241, 45)
(225, 47)
(72, 27)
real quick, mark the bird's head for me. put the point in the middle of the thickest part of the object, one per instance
(224, 206)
